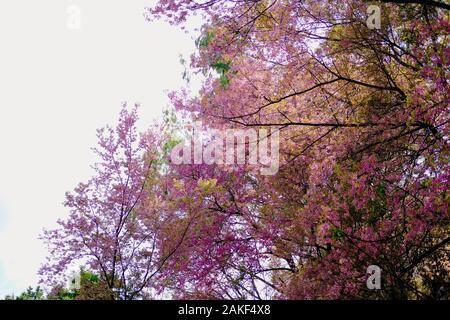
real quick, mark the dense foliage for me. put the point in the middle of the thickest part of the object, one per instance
(363, 116)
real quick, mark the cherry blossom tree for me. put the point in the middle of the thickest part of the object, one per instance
(364, 162)
(364, 119)
(116, 216)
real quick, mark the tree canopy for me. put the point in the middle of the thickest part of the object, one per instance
(363, 120)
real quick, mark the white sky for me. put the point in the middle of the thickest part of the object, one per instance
(56, 87)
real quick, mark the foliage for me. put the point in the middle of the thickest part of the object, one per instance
(364, 174)
(29, 294)
(91, 287)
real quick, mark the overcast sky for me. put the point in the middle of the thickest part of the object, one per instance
(57, 85)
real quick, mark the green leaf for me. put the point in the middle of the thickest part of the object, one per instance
(337, 234)
(204, 40)
(224, 81)
(221, 67)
